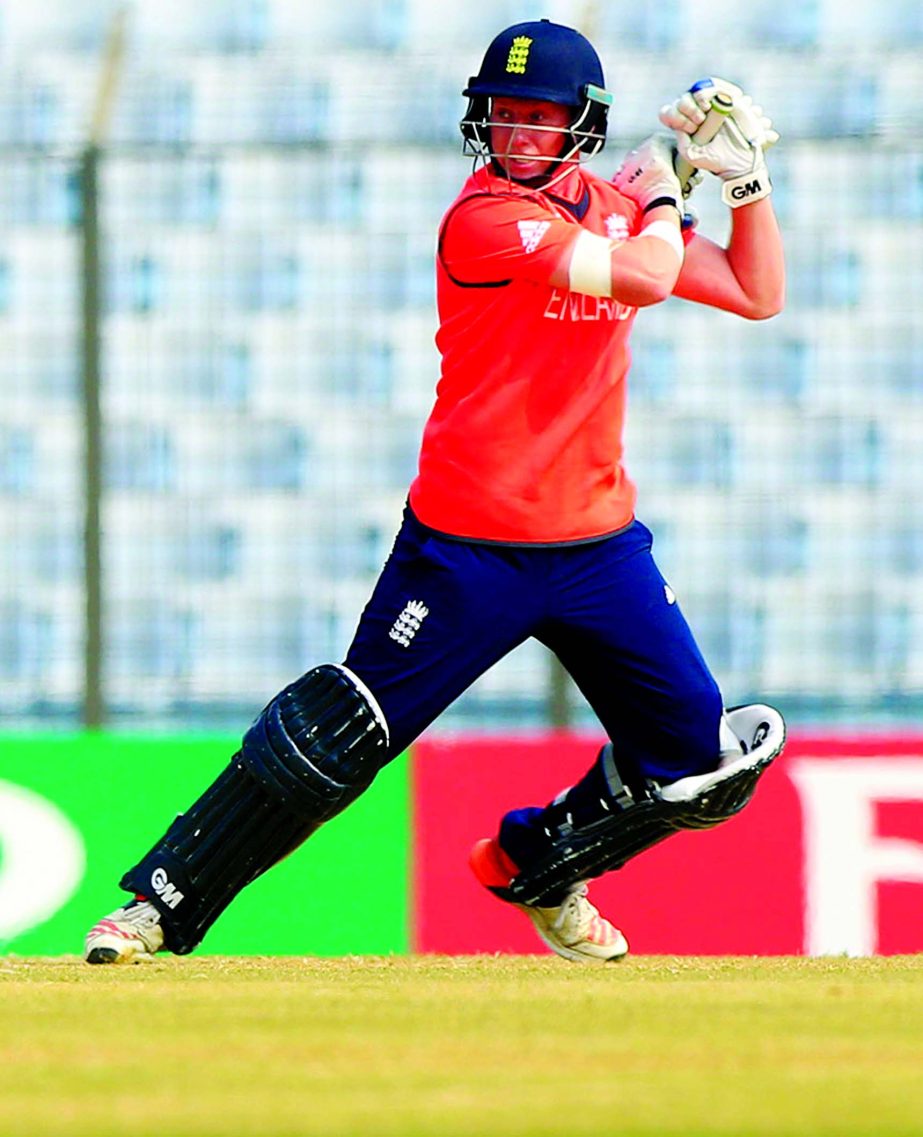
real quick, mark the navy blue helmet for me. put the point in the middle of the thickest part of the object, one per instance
(541, 60)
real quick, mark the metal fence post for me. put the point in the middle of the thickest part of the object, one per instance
(94, 709)
(91, 310)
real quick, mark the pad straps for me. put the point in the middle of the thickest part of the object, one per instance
(626, 822)
(312, 750)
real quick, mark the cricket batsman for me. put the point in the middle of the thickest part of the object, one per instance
(521, 520)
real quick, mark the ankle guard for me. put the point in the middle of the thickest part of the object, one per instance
(312, 750)
(629, 821)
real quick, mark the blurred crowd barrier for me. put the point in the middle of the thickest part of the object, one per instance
(268, 196)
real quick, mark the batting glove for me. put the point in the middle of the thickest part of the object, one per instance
(688, 112)
(647, 175)
(736, 153)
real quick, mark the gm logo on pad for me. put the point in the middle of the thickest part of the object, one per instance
(165, 888)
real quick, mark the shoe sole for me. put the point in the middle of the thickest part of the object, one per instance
(102, 955)
(113, 955)
(112, 949)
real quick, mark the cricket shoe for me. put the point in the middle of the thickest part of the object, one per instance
(127, 935)
(574, 928)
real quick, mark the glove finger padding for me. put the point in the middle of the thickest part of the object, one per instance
(647, 175)
(687, 113)
(684, 114)
(755, 126)
(729, 154)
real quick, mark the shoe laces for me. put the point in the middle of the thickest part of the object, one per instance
(140, 913)
(143, 918)
(576, 913)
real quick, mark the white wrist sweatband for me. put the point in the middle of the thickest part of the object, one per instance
(667, 232)
(590, 268)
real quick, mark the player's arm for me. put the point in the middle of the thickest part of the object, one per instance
(491, 240)
(747, 277)
(644, 269)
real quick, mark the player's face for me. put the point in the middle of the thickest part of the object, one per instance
(525, 135)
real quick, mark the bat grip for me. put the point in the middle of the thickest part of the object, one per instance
(721, 107)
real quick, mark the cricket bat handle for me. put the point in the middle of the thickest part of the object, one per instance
(721, 107)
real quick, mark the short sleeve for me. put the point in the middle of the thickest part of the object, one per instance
(491, 238)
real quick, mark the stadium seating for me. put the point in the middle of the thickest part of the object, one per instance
(268, 202)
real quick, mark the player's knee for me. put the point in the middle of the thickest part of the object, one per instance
(694, 743)
(318, 743)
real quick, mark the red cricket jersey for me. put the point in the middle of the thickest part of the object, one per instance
(524, 442)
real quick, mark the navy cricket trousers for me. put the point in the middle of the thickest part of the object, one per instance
(443, 611)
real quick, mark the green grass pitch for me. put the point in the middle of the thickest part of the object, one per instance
(461, 1047)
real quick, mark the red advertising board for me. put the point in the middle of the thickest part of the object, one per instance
(826, 859)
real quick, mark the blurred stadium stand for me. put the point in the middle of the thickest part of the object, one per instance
(269, 198)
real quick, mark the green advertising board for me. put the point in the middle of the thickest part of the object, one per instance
(77, 811)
